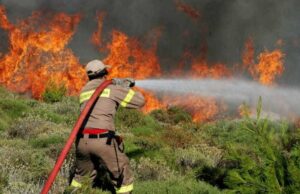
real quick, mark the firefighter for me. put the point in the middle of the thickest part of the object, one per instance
(97, 145)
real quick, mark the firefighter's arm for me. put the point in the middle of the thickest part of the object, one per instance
(129, 98)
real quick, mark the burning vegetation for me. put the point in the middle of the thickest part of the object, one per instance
(39, 54)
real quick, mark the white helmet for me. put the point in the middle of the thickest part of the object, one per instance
(94, 67)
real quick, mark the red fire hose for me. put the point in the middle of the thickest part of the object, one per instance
(73, 135)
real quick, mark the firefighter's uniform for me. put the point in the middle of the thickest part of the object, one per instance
(95, 148)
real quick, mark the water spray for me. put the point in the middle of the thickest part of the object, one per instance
(276, 99)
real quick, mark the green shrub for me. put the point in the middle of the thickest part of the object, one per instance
(129, 118)
(54, 92)
(68, 105)
(13, 108)
(197, 156)
(173, 115)
(46, 141)
(3, 180)
(147, 144)
(178, 185)
(152, 169)
(4, 120)
(177, 137)
(160, 115)
(257, 158)
(25, 127)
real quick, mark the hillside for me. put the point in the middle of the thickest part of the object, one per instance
(169, 153)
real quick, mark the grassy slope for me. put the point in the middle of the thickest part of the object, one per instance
(169, 153)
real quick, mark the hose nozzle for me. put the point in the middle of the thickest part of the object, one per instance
(124, 82)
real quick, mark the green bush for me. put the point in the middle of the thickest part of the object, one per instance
(259, 157)
(129, 118)
(46, 141)
(13, 108)
(173, 115)
(3, 180)
(54, 92)
(197, 156)
(152, 169)
(176, 137)
(178, 185)
(4, 120)
(25, 128)
(169, 153)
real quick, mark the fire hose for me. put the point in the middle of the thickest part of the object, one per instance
(72, 136)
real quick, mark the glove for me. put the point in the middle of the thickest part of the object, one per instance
(129, 82)
(126, 82)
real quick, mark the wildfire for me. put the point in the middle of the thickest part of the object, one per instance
(270, 64)
(39, 55)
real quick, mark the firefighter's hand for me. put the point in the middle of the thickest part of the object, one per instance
(126, 82)
(129, 82)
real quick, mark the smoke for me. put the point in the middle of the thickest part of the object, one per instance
(222, 28)
(282, 101)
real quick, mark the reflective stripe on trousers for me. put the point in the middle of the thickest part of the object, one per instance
(125, 189)
(76, 184)
(122, 189)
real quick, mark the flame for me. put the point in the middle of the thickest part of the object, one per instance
(96, 38)
(152, 102)
(129, 59)
(216, 71)
(4, 23)
(248, 56)
(270, 66)
(270, 63)
(37, 56)
(199, 68)
(201, 109)
(187, 9)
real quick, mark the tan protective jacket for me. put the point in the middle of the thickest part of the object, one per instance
(103, 113)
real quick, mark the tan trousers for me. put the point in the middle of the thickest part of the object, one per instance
(94, 158)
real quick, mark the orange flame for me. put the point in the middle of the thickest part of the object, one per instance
(270, 65)
(202, 70)
(129, 59)
(36, 57)
(189, 10)
(96, 38)
(152, 103)
(248, 55)
(202, 109)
